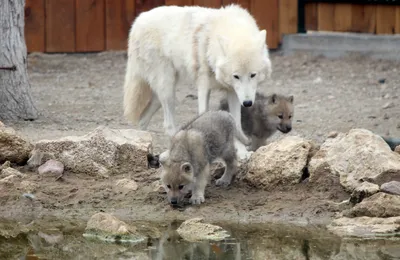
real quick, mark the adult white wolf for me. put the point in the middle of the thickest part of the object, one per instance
(211, 48)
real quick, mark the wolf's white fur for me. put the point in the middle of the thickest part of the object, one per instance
(192, 45)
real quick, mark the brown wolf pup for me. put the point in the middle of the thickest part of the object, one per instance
(265, 117)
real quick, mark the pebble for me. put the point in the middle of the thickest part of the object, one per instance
(388, 105)
(52, 167)
(392, 187)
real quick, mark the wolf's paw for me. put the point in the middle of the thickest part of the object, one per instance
(197, 199)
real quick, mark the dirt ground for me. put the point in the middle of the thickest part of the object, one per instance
(77, 93)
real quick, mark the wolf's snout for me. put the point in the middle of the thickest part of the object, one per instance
(174, 201)
(247, 103)
(285, 129)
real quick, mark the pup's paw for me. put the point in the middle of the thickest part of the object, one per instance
(222, 182)
(197, 199)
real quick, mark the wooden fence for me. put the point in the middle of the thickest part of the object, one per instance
(344, 17)
(98, 25)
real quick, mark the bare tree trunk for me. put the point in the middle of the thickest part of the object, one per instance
(15, 95)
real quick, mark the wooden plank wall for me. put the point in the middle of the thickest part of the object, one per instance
(98, 25)
(376, 19)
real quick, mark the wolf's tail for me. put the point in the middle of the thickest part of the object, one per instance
(137, 93)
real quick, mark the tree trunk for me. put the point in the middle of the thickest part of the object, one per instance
(15, 95)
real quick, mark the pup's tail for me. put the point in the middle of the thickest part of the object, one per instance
(137, 93)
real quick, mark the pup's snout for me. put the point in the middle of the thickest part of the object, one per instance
(247, 103)
(174, 201)
(288, 128)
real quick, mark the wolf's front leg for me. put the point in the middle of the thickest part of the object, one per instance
(203, 93)
(199, 186)
(234, 109)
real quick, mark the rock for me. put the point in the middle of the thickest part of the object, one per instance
(5, 165)
(333, 134)
(381, 205)
(356, 157)
(126, 185)
(10, 171)
(388, 105)
(52, 168)
(28, 186)
(13, 147)
(391, 187)
(51, 236)
(106, 227)
(397, 149)
(363, 191)
(38, 158)
(8, 180)
(279, 163)
(102, 152)
(195, 229)
(365, 226)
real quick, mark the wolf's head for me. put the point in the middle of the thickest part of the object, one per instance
(177, 179)
(280, 112)
(243, 65)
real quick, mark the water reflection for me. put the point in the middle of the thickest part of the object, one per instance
(247, 242)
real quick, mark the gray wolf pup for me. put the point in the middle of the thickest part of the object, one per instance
(265, 117)
(186, 164)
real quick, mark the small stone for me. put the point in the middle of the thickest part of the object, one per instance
(318, 80)
(386, 96)
(28, 186)
(1, 124)
(382, 81)
(10, 171)
(195, 229)
(126, 185)
(51, 167)
(331, 97)
(5, 165)
(388, 105)
(366, 189)
(333, 134)
(398, 126)
(386, 116)
(51, 237)
(397, 149)
(8, 180)
(391, 187)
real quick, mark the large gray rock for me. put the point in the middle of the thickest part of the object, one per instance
(279, 163)
(365, 226)
(380, 205)
(102, 152)
(355, 157)
(13, 147)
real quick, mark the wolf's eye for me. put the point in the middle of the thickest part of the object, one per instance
(236, 76)
(252, 75)
(280, 116)
(169, 186)
(180, 187)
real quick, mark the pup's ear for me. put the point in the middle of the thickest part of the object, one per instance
(290, 99)
(186, 168)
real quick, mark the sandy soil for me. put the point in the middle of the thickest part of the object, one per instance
(76, 93)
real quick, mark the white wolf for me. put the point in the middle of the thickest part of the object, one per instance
(210, 48)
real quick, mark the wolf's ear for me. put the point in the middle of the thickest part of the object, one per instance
(223, 43)
(186, 168)
(290, 99)
(273, 98)
(262, 37)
